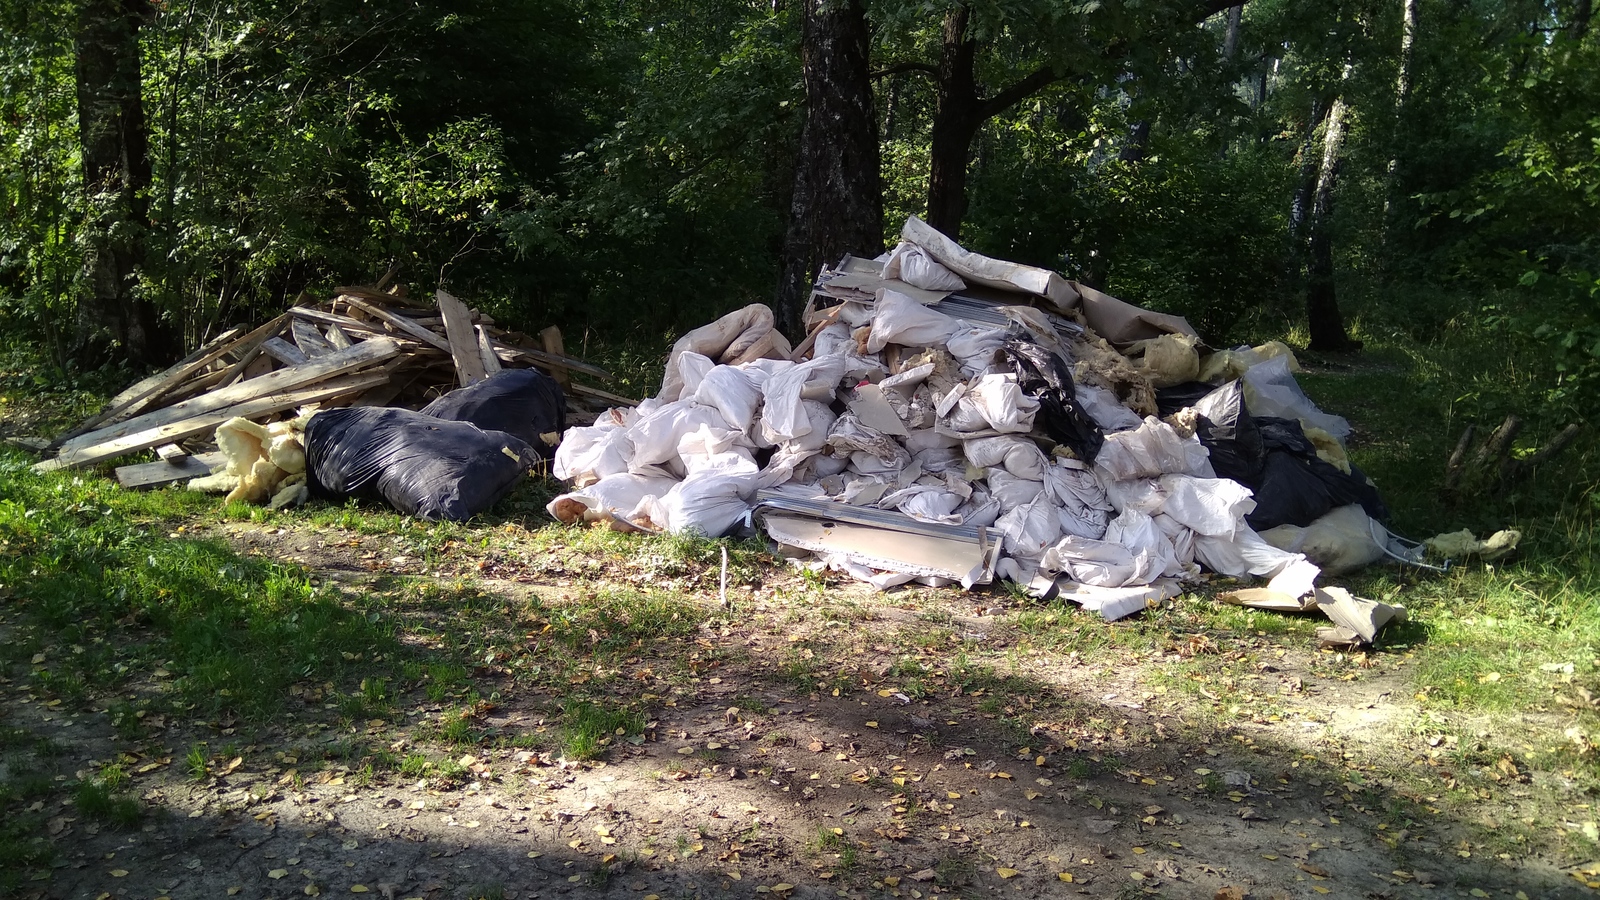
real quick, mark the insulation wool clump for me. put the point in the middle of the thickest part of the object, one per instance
(264, 463)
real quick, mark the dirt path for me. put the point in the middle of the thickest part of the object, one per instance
(1163, 767)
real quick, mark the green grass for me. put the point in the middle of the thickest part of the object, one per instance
(588, 727)
(91, 565)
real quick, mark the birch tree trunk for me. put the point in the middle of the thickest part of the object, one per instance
(1323, 318)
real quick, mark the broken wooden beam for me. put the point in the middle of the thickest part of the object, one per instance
(463, 341)
(108, 443)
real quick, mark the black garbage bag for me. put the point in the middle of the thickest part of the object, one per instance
(1230, 434)
(1046, 377)
(523, 402)
(422, 466)
(1297, 487)
(1179, 396)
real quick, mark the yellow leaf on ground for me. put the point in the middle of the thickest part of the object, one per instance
(358, 889)
(119, 873)
(1065, 876)
(1007, 873)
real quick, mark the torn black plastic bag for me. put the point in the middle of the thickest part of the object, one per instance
(422, 466)
(1230, 434)
(1297, 487)
(522, 402)
(1046, 377)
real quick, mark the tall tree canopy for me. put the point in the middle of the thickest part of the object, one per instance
(170, 167)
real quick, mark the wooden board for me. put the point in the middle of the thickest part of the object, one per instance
(178, 429)
(328, 318)
(491, 362)
(550, 339)
(462, 339)
(399, 323)
(283, 351)
(339, 338)
(145, 475)
(584, 390)
(361, 356)
(309, 339)
(143, 392)
(248, 350)
(548, 362)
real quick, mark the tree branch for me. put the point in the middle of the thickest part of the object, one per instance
(927, 69)
(1020, 91)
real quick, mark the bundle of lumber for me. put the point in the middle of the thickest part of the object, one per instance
(364, 347)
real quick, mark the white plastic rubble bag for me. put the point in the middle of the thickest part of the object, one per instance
(1093, 562)
(731, 392)
(1104, 408)
(615, 498)
(1030, 528)
(1153, 553)
(1153, 448)
(974, 346)
(783, 416)
(655, 436)
(711, 503)
(925, 503)
(1001, 402)
(1017, 455)
(834, 340)
(980, 509)
(740, 336)
(819, 419)
(1270, 390)
(1213, 506)
(1010, 491)
(913, 265)
(708, 449)
(1245, 553)
(692, 369)
(898, 319)
(588, 454)
(1084, 509)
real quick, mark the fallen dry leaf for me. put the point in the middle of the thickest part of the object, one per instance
(1006, 872)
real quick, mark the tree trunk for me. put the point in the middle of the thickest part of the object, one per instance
(956, 119)
(1582, 11)
(1138, 140)
(1230, 38)
(1306, 183)
(112, 323)
(837, 204)
(1323, 318)
(1402, 93)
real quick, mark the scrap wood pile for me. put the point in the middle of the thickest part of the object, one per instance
(242, 413)
(951, 418)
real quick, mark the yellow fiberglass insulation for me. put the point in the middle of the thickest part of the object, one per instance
(262, 462)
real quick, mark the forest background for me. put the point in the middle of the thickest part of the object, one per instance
(1397, 169)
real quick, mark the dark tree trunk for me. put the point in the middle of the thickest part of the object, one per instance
(1138, 140)
(1230, 37)
(1323, 318)
(1582, 11)
(112, 323)
(956, 120)
(837, 204)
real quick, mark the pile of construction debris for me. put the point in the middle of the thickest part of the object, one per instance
(231, 416)
(951, 418)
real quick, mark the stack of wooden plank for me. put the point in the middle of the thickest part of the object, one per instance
(364, 347)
